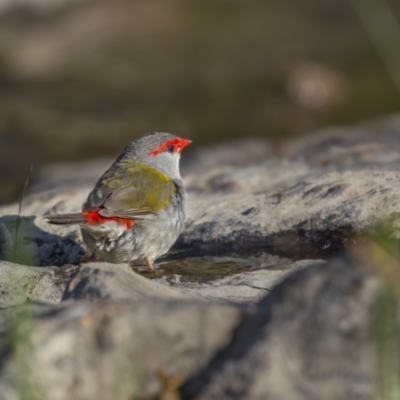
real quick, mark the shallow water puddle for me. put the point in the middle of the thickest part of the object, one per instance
(194, 270)
(202, 270)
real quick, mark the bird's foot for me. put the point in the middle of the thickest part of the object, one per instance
(149, 263)
(170, 385)
(89, 256)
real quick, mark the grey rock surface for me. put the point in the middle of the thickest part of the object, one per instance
(245, 287)
(108, 350)
(308, 200)
(309, 339)
(303, 203)
(309, 216)
(118, 334)
(27, 234)
(116, 282)
(20, 283)
(369, 145)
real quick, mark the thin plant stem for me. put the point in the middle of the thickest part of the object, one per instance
(19, 212)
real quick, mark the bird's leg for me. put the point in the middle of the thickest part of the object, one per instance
(86, 257)
(90, 255)
(149, 263)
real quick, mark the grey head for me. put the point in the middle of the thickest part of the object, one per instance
(160, 150)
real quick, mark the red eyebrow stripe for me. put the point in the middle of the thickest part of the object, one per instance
(179, 143)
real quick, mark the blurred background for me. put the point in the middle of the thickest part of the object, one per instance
(82, 78)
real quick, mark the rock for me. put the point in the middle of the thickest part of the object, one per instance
(303, 204)
(246, 287)
(306, 217)
(19, 283)
(117, 282)
(309, 202)
(108, 350)
(26, 239)
(113, 282)
(309, 339)
(373, 145)
(311, 217)
(309, 336)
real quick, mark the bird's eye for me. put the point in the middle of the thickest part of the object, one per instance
(171, 148)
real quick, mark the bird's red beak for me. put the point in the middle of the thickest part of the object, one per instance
(182, 143)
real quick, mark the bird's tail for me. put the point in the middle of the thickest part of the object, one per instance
(66, 219)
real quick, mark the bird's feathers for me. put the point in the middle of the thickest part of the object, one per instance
(131, 189)
(57, 219)
(137, 209)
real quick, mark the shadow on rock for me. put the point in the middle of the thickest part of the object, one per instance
(297, 243)
(22, 242)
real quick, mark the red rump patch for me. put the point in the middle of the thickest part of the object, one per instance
(178, 143)
(93, 217)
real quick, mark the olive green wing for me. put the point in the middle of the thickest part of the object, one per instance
(134, 190)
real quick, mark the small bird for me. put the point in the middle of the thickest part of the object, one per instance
(136, 211)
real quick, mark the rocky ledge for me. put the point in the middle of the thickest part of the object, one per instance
(263, 296)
